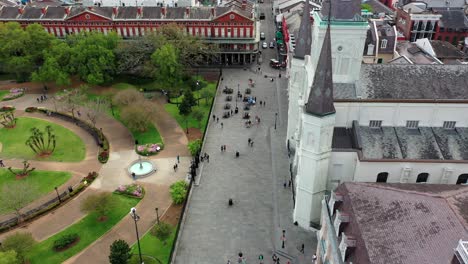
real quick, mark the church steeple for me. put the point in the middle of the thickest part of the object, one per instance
(320, 102)
(304, 41)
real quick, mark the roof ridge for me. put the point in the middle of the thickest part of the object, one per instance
(443, 194)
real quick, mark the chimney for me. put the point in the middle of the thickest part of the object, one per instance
(140, 11)
(67, 11)
(213, 12)
(20, 10)
(90, 8)
(244, 4)
(115, 10)
(187, 11)
(163, 11)
(44, 11)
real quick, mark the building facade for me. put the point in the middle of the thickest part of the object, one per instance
(232, 27)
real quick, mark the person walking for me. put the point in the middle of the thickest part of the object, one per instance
(207, 158)
(274, 257)
(37, 99)
(1, 164)
(314, 259)
(222, 148)
(302, 246)
(174, 167)
(249, 140)
(178, 158)
(222, 125)
(214, 117)
(217, 120)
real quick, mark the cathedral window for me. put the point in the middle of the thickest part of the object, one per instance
(382, 177)
(422, 177)
(413, 124)
(449, 124)
(375, 123)
(462, 179)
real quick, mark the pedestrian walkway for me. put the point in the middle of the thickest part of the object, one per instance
(213, 231)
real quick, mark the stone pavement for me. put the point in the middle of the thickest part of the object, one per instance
(213, 232)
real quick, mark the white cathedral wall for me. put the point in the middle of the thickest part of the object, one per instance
(341, 168)
(396, 114)
(407, 172)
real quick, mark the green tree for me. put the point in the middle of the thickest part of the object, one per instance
(119, 252)
(9, 257)
(17, 195)
(187, 102)
(74, 98)
(194, 146)
(21, 50)
(127, 97)
(100, 204)
(367, 7)
(133, 56)
(198, 114)
(178, 191)
(207, 93)
(191, 49)
(20, 243)
(92, 56)
(40, 143)
(162, 231)
(56, 65)
(8, 119)
(169, 71)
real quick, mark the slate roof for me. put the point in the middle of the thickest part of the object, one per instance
(55, 12)
(399, 81)
(404, 223)
(320, 101)
(453, 19)
(200, 13)
(151, 12)
(6, 3)
(424, 143)
(175, 12)
(31, 13)
(342, 10)
(444, 50)
(304, 37)
(127, 12)
(9, 12)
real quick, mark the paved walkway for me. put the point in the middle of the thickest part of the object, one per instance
(213, 232)
(112, 174)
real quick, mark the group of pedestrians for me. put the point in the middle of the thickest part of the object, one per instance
(41, 99)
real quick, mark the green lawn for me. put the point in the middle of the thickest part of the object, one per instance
(173, 110)
(3, 93)
(88, 229)
(44, 180)
(70, 148)
(152, 246)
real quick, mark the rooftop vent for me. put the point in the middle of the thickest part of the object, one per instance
(461, 252)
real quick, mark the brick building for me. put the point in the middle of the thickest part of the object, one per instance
(232, 27)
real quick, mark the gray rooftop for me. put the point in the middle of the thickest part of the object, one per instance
(31, 13)
(200, 13)
(55, 12)
(424, 143)
(9, 12)
(404, 223)
(453, 19)
(342, 10)
(399, 81)
(128, 12)
(151, 12)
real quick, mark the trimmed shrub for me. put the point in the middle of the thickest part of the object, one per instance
(194, 146)
(178, 191)
(64, 241)
(162, 231)
(7, 108)
(31, 109)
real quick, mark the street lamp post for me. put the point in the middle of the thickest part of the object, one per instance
(276, 116)
(238, 92)
(58, 196)
(136, 217)
(157, 215)
(186, 125)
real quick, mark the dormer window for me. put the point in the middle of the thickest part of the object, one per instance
(383, 44)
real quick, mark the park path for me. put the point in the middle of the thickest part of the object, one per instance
(122, 144)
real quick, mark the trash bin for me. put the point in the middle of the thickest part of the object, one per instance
(70, 189)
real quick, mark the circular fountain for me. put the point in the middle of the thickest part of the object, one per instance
(141, 168)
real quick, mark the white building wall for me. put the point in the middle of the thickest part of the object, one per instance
(341, 168)
(396, 114)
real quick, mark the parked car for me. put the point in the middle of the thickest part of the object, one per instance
(264, 45)
(262, 35)
(262, 16)
(272, 45)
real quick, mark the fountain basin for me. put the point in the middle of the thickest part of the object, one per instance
(141, 168)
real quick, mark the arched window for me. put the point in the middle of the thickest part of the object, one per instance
(382, 177)
(422, 177)
(463, 179)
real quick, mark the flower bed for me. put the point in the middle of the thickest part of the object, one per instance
(14, 93)
(31, 109)
(149, 149)
(7, 108)
(131, 190)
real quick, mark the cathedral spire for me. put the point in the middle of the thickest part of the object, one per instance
(305, 35)
(320, 102)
